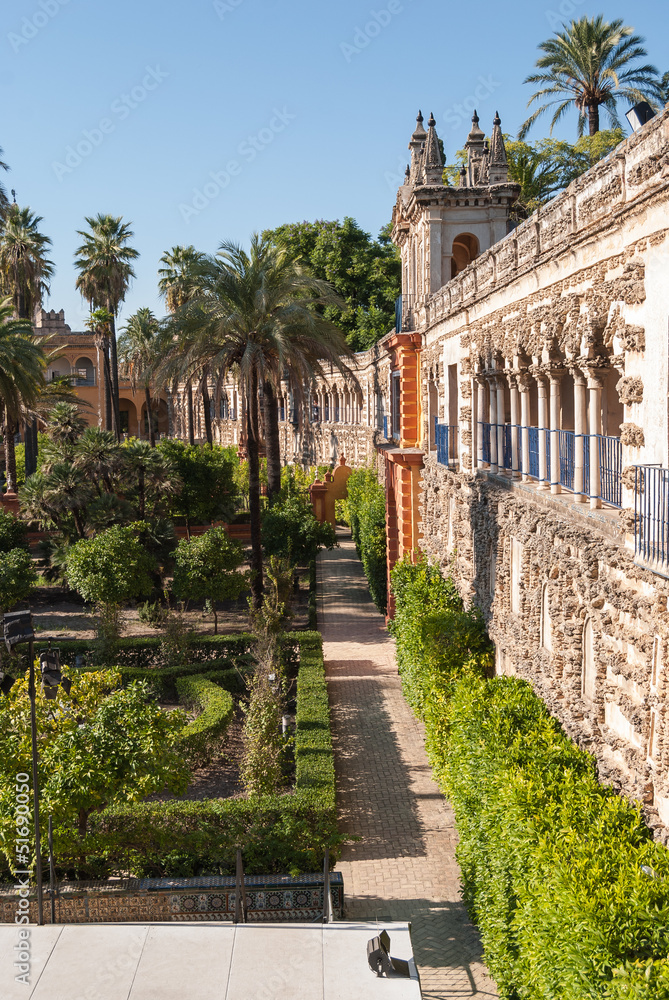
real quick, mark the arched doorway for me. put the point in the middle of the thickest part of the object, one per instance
(465, 250)
(128, 417)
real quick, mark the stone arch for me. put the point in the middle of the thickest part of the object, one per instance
(466, 248)
(589, 666)
(84, 369)
(546, 625)
(128, 415)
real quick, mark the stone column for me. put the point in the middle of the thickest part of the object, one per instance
(478, 423)
(492, 392)
(555, 377)
(542, 421)
(515, 421)
(580, 429)
(524, 389)
(500, 421)
(595, 421)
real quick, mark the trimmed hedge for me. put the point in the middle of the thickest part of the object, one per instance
(366, 511)
(312, 614)
(144, 652)
(278, 833)
(216, 709)
(551, 860)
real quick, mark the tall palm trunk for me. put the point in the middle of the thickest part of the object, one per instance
(107, 384)
(113, 363)
(272, 439)
(593, 119)
(191, 421)
(254, 490)
(152, 433)
(206, 405)
(10, 455)
(30, 463)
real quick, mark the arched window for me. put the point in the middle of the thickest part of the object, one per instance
(465, 250)
(589, 671)
(84, 370)
(546, 626)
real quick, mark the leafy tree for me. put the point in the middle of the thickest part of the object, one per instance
(591, 64)
(291, 531)
(366, 273)
(206, 568)
(206, 476)
(17, 577)
(138, 348)
(99, 746)
(108, 570)
(104, 261)
(151, 478)
(12, 533)
(664, 86)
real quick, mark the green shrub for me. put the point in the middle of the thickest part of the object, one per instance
(17, 577)
(146, 651)
(13, 533)
(366, 512)
(551, 860)
(278, 833)
(206, 568)
(216, 709)
(291, 531)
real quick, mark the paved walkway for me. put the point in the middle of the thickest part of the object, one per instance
(403, 867)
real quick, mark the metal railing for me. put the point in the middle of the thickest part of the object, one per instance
(446, 440)
(85, 380)
(610, 469)
(506, 446)
(385, 427)
(403, 313)
(651, 517)
(485, 441)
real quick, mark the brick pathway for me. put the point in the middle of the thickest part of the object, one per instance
(403, 867)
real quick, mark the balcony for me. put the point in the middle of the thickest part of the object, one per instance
(651, 518)
(404, 318)
(446, 441)
(609, 458)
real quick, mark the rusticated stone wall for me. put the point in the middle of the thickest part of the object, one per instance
(568, 611)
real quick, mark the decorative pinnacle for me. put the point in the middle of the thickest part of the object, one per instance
(431, 122)
(419, 117)
(475, 117)
(497, 120)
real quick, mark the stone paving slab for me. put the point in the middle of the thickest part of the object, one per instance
(403, 866)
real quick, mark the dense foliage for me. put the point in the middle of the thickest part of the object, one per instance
(110, 568)
(206, 475)
(278, 833)
(13, 533)
(551, 860)
(215, 709)
(291, 531)
(17, 577)
(206, 568)
(365, 272)
(99, 745)
(365, 512)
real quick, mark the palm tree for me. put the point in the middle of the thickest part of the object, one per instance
(22, 364)
(177, 283)
(4, 201)
(25, 272)
(591, 63)
(99, 323)
(104, 261)
(256, 313)
(138, 348)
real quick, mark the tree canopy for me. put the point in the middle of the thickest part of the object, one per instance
(364, 271)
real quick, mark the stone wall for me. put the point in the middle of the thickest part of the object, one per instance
(569, 612)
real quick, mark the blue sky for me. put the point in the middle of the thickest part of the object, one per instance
(206, 120)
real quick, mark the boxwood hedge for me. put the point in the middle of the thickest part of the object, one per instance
(278, 833)
(569, 890)
(215, 709)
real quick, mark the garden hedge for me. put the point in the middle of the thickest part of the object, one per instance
(215, 707)
(145, 652)
(551, 860)
(366, 514)
(278, 833)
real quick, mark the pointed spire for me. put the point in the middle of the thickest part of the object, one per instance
(433, 161)
(499, 167)
(416, 146)
(476, 135)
